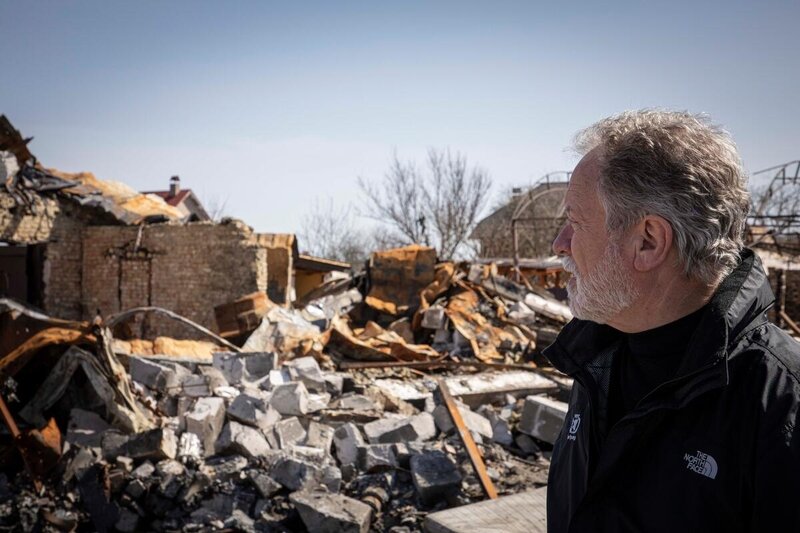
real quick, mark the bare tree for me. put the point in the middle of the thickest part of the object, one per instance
(216, 208)
(439, 208)
(332, 233)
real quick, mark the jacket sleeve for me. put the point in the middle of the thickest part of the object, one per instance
(776, 481)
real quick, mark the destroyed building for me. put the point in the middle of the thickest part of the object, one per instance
(77, 246)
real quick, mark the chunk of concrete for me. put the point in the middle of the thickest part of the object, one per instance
(290, 399)
(475, 422)
(332, 513)
(411, 392)
(253, 411)
(356, 402)
(239, 439)
(487, 387)
(214, 377)
(542, 418)
(419, 427)
(195, 386)
(347, 439)
(206, 420)
(319, 436)
(86, 428)
(265, 485)
(306, 369)
(257, 365)
(376, 457)
(435, 476)
(294, 472)
(231, 365)
(289, 432)
(156, 376)
(334, 384)
(318, 401)
(160, 443)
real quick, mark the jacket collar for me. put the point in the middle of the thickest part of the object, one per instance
(741, 298)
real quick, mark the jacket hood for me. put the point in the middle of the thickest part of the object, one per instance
(741, 298)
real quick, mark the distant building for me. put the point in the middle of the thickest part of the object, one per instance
(539, 213)
(183, 199)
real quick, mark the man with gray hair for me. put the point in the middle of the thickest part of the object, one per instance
(684, 410)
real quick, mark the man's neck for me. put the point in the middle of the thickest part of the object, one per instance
(662, 300)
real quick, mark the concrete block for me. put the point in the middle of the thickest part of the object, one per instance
(257, 365)
(331, 478)
(214, 377)
(542, 418)
(290, 399)
(195, 386)
(332, 513)
(253, 411)
(265, 485)
(231, 365)
(289, 432)
(319, 436)
(334, 384)
(376, 457)
(144, 470)
(228, 468)
(206, 420)
(157, 443)
(475, 422)
(294, 473)
(347, 439)
(355, 402)
(152, 374)
(86, 428)
(275, 378)
(419, 427)
(435, 476)
(488, 387)
(411, 392)
(318, 401)
(306, 369)
(243, 440)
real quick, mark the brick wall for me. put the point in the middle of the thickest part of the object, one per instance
(792, 300)
(59, 223)
(188, 269)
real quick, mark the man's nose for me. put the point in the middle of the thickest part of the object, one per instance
(562, 244)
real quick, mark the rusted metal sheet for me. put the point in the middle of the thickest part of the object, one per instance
(466, 437)
(373, 343)
(485, 339)
(398, 276)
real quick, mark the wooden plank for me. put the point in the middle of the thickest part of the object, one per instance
(525, 512)
(469, 443)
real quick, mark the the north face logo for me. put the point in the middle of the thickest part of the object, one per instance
(702, 463)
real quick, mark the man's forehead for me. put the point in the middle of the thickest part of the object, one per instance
(582, 189)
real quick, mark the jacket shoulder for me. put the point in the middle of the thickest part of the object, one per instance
(780, 352)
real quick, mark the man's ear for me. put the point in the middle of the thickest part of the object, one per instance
(653, 242)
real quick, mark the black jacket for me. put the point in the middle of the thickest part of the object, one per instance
(715, 449)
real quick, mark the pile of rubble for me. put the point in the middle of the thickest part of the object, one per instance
(328, 417)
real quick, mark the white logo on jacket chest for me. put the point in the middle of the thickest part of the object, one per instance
(573, 427)
(701, 463)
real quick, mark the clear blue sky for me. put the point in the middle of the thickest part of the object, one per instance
(270, 105)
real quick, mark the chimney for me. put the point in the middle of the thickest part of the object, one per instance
(174, 186)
